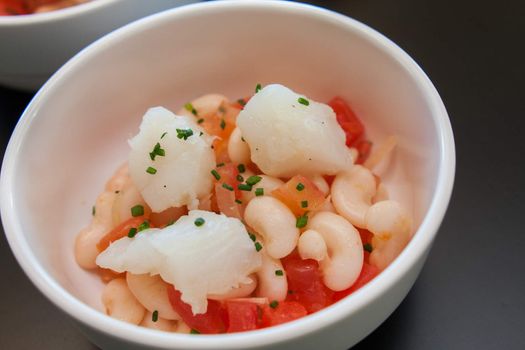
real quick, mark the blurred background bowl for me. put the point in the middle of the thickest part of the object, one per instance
(74, 135)
(34, 46)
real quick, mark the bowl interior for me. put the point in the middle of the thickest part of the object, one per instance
(74, 134)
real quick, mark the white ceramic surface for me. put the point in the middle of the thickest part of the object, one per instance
(73, 135)
(34, 46)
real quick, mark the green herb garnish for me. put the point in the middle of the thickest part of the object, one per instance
(132, 232)
(274, 304)
(244, 187)
(238, 201)
(223, 124)
(252, 180)
(184, 133)
(145, 225)
(228, 187)
(304, 204)
(303, 101)
(258, 246)
(241, 168)
(279, 273)
(137, 210)
(368, 247)
(258, 88)
(194, 331)
(301, 221)
(189, 107)
(215, 174)
(259, 192)
(151, 170)
(155, 316)
(199, 222)
(299, 187)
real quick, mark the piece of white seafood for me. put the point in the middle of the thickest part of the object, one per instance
(170, 160)
(202, 253)
(289, 134)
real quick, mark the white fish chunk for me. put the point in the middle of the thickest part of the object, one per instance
(287, 137)
(179, 167)
(198, 260)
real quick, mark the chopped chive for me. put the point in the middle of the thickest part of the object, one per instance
(189, 107)
(274, 304)
(151, 170)
(259, 192)
(279, 273)
(216, 174)
(132, 232)
(258, 246)
(194, 331)
(222, 109)
(238, 201)
(93, 211)
(301, 221)
(241, 102)
(157, 151)
(199, 222)
(252, 180)
(200, 121)
(303, 101)
(184, 133)
(258, 88)
(223, 124)
(244, 187)
(239, 178)
(368, 247)
(228, 187)
(137, 210)
(299, 187)
(155, 316)
(252, 236)
(201, 133)
(241, 168)
(143, 226)
(220, 164)
(162, 136)
(304, 204)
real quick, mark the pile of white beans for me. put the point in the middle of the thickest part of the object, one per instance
(355, 199)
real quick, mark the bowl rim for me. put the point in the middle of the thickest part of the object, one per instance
(94, 319)
(56, 15)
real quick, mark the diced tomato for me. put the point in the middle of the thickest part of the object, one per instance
(107, 275)
(225, 197)
(299, 200)
(305, 284)
(220, 124)
(285, 311)
(167, 216)
(120, 231)
(368, 273)
(363, 147)
(211, 322)
(12, 7)
(242, 316)
(352, 126)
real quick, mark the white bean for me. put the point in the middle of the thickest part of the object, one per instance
(267, 183)
(152, 293)
(238, 150)
(343, 264)
(86, 250)
(161, 324)
(275, 223)
(120, 302)
(126, 198)
(311, 245)
(243, 290)
(271, 285)
(352, 193)
(391, 227)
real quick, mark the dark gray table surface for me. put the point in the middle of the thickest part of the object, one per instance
(471, 292)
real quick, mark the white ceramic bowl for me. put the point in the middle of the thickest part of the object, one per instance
(73, 135)
(34, 46)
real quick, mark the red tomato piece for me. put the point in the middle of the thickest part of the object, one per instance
(167, 216)
(242, 316)
(352, 126)
(227, 191)
(305, 284)
(368, 273)
(211, 322)
(120, 231)
(12, 8)
(299, 194)
(285, 311)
